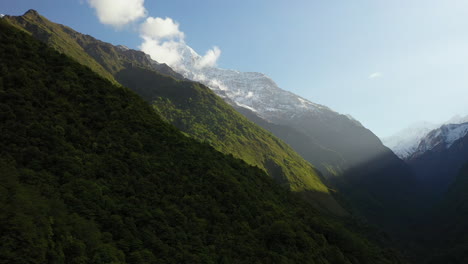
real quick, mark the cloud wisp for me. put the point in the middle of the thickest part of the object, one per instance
(118, 13)
(162, 51)
(209, 59)
(375, 75)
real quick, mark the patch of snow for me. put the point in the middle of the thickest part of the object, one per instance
(442, 137)
(246, 106)
(406, 142)
(270, 109)
(123, 48)
(456, 132)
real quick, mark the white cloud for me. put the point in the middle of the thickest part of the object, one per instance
(162, 38)
(210, 58)
(164, 42)
(118, 13)
(163, 52)
(158, 28)
(375, 75)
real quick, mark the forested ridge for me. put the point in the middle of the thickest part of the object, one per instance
(90, 174)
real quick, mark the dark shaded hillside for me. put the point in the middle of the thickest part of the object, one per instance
(443, 235)
(374, 182)
(437, 168)
(385, 192)
(90, 174)
(442, 172)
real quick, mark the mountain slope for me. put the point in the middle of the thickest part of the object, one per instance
(90, 174)
(452, 217)
(260, 94)
(267, 103)
(195, 110)
(439, 157)
(374, 180)
(328, 161)
(443, 235)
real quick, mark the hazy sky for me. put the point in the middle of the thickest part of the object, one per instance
(387, 63)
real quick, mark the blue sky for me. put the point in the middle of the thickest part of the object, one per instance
(387, 63)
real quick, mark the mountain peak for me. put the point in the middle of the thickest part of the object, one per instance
(31, 12)
(252, 90)
(441, 138)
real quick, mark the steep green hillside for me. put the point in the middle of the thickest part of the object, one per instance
(90, 174)
(193, 108)
(102, 57)
(57, 36)
(445, 231)
(197, 111)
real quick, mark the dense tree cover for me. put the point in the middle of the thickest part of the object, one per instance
(90, 174)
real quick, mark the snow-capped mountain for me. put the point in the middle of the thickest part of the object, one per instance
(405, 142)
(441, 138)
(254, 91)
(321, 126)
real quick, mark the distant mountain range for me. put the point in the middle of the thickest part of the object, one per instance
(440, 139)
(435, 153)
(406, 142)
